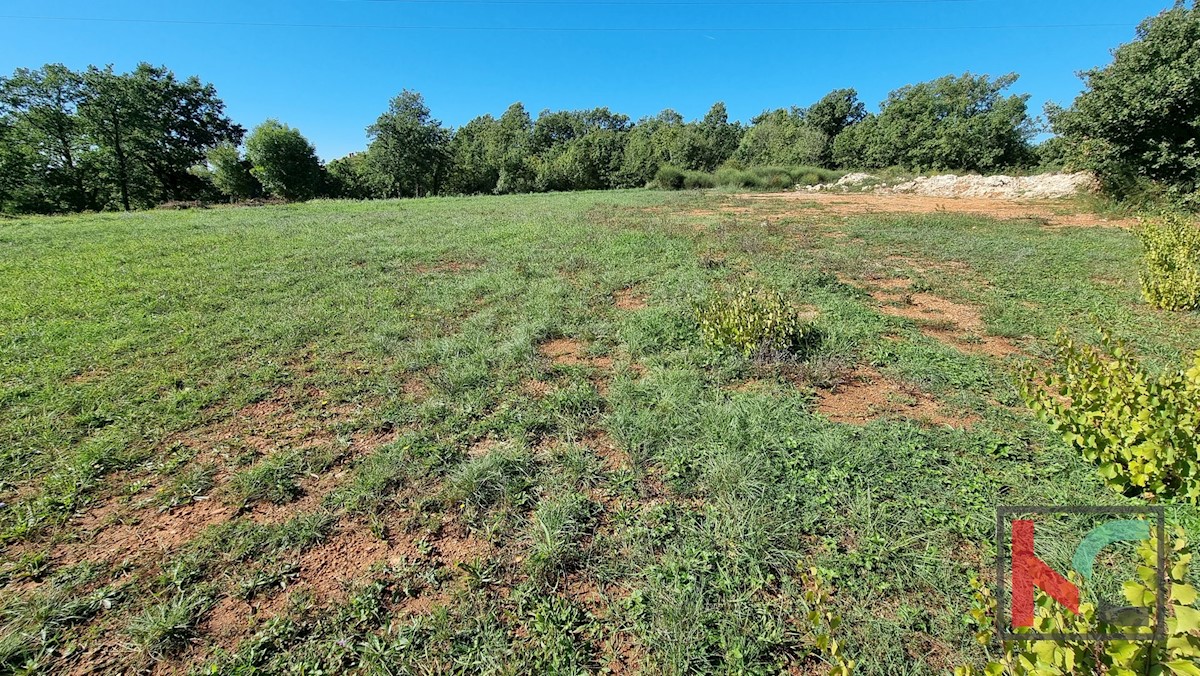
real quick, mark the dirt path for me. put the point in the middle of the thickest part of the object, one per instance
(1058, 213)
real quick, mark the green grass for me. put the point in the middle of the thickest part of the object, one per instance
(650, 501)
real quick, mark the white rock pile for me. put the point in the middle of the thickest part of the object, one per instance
(1041, 186)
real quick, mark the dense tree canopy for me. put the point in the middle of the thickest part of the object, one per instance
(953, 122)
(284, 162)
(101, 139)
(1139, 117)
(409, 151)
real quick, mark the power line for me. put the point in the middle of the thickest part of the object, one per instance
(571, 29)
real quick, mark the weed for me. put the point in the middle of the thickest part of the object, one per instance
(755, 320)
(503, 476)
(187, 486)
(275, 478)
(1142, 431)
(166, 627)
(557, 526)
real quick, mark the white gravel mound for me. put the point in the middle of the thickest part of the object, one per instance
(1041, 186)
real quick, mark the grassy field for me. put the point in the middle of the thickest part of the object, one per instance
(484, 435)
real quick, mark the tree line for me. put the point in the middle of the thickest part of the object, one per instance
(97, 139)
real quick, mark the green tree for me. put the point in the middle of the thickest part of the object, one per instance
(950, 123)
(475, 171)
(149, 129)
(41, 106)
(511, 150)
(652, 143)
(836, 111)
(284, 162)
(349, 177)
(231, 174)
(781, 138)
(409, 151)
(704, 145)
(1139, 117)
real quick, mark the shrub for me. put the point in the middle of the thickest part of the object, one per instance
(1171, 278)
(668, 178)
(1177, 654)
(1142, 431)
(755, 320)
(696, 180)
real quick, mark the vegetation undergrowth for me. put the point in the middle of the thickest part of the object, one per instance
(737, 178)
(1141, 430)
(1171, 262)
(1178, 653)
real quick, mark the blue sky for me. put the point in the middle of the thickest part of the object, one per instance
(329, 67)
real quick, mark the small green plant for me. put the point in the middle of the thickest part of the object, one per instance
(165, 628)
(1177, 655)
(558, 526)
(503, 475)
(823, 625)
(1171, 254)
(187, 486)
(755, 321)
(1142, 431)
(275, 479)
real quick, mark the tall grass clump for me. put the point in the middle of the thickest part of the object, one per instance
(1171, 256)
(755, 321)
(504, 475)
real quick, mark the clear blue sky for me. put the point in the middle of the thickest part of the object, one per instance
(329, 67)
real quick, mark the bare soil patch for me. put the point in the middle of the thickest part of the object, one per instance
(954, 324)
(629, 299)
(570, 352)
(1047, 212)
(536, 388)
(867, 395)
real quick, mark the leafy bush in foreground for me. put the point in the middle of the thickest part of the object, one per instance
(754, 320)
(1178, 654)
(1171, 278)
(1142, 431)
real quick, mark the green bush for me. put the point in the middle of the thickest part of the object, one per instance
(755, 321)
(734, 177)
(1142, 431)
(696, 180)
(668, 178)
(1177, 654)
(1171, 278)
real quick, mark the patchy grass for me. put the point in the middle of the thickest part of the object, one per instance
(486, 434)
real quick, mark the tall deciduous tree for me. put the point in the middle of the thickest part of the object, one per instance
(284, 161)
(782, 138)
(950, 123)
(231, 174)
(149, 129)
(1139, 117)
(836, 111)
(409, 151)
(41, 106)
